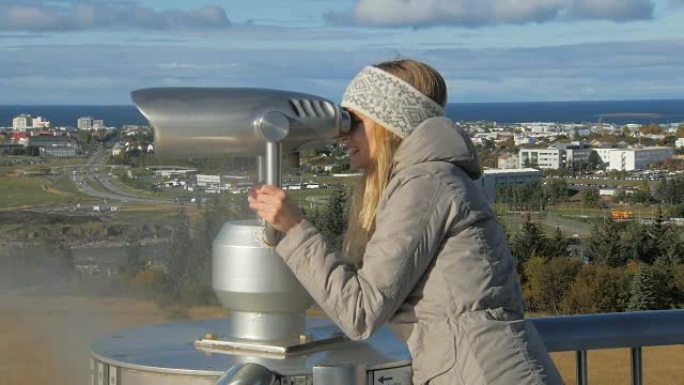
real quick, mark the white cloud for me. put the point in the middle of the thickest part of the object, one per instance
(473, 13)
(35, 16)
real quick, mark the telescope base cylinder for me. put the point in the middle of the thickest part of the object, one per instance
(266, 326)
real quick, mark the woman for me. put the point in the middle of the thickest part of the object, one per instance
(426, 249)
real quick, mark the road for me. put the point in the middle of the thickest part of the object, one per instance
(93, 173)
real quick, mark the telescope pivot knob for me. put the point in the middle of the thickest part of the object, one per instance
(273, 126)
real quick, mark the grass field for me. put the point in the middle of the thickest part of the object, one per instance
(662, 365)
(31, 191)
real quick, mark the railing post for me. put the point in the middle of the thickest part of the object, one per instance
(581, 366)
(637, 372)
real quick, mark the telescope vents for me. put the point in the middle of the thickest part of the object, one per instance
(312, 109)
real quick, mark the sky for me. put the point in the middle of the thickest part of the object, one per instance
(55, 52)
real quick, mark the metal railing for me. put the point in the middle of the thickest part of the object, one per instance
(632, 330)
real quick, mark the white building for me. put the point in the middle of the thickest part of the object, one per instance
(508, 161)
(539, 157)
(540, 127)
(492, 178)
(85, 123)
(205, 180)
(559, 155)
(98, 124)
(22, 122)
(631, 159)
(519, 140)
(679, 143)
(604, 154)
(38, 122)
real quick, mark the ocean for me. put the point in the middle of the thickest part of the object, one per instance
(618, 112)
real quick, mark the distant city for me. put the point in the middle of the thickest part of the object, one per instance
(512, 153)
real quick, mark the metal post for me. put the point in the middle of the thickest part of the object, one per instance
(273, 153)
(261, 169)
(581, 365)
(637, 372)
(273, 157)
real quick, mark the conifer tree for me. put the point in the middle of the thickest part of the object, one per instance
(558, 244)
(642, 291)
(604, 245)
(529, 242)
(333, 218)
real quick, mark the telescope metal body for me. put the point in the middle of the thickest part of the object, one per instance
(213, 122)
(267, 338)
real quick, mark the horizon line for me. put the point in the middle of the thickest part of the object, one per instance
(448, 103)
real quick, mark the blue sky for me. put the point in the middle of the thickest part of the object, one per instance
(96, 52)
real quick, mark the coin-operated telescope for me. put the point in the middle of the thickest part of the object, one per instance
(210, 122)
(267, 339)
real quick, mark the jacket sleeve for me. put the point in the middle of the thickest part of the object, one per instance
(410, 226)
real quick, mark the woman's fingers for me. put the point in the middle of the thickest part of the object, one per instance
(271, 204)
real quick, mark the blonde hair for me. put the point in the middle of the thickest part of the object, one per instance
(383, 145)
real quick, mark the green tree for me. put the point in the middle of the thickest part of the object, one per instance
(334, 218)
(548, 280)
(650, 129)
(670, 191)
(644, 243)
(680, 131)
(590, 197)
(528, 242)
(331, 218)
(597, 289)
(594, 161)
(678, 285)
(556, 190)
(558, 245)
(672, 244)
(668, 293)
(604, 245)
(527, 196)
(642, 290)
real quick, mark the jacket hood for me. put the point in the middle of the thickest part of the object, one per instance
(438, 139)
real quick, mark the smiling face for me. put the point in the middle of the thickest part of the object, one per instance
(358, 141)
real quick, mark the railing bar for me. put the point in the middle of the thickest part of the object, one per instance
(637, 369)
(581, 365)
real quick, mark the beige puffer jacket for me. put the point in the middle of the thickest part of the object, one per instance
(438, 261)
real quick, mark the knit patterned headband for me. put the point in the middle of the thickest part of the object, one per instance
(390, 101)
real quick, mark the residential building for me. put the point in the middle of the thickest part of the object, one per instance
(22, 122)
(20, 138)
(492, 178)
(540, 127)
(637, 158)
(38, 122)
(98, 124)
(508, 161)
(85, 123)
(520, 140)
